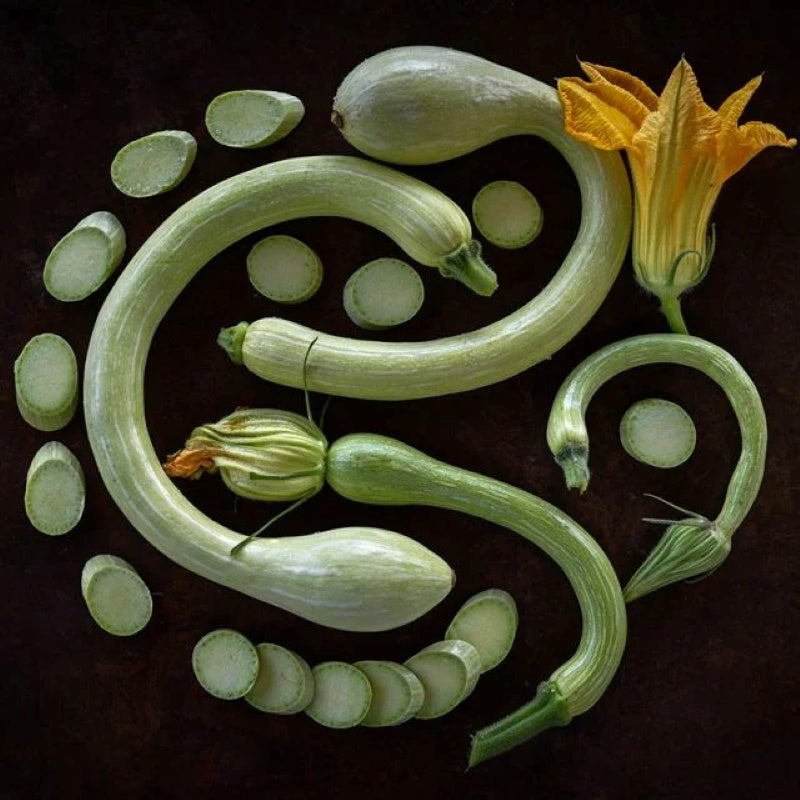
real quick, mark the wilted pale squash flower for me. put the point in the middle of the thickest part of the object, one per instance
(680, 152)
(260, 453)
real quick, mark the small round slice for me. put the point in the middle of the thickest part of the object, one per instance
(657, 432)
(225, 663)
(284, 269)
(55, 490)
(507, 214)
(46, 382)
(488, 621)
(251, 118)
(397, 693)
(448, 671)
(116, 596)
(153, 164)
(342, 695)
(82, 260)
(383, 293)
(285, 684)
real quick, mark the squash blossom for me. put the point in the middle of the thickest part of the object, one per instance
(261, 454)
(680, 152)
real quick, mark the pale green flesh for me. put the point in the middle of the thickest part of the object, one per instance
(657, 433)
(55, 491)
(448, 672)
(153, 164)
(225, 664)
(82, 260)
(46, 382)
(382, 294)
(285, 683)
(397, 693)
(507, 214)
(100, 562)
(284, 269)
(488, 621)
(80, 263)
(250, 118)
(116, 596)
(342, 695)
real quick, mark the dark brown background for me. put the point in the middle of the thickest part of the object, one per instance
(705, 704)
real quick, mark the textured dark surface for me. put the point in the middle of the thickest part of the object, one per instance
(707, 701)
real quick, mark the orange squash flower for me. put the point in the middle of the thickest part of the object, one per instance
(680, 152)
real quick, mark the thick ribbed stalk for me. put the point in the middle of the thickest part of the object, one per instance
(695, 545)
(671, 309)
(378, 470)
(548, 709)
(419, 105)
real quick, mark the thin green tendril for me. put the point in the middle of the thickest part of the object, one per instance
(297, 503)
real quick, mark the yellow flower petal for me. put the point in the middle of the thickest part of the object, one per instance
(627, 103)
(624, 80)
(743, 143)
(683, 127)
(732, 108)
(765, 135)
(592, 118)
